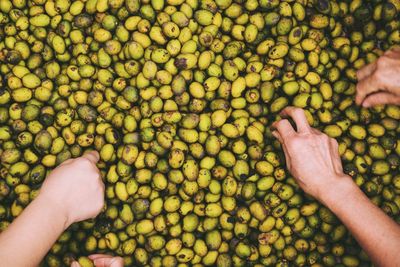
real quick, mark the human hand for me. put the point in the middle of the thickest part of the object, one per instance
(76, 188)
(379, 82)
(311, 156)
(103, 260)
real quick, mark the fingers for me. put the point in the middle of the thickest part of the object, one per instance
(380, 99)
(75, 264)
(299, 117)
(287, 157)
(284, 129)
(277, 136)
(395, 49)
(366, 71)
(93, 156)
(116, 262)
(394, 52)
(367, 86)
(102, 260)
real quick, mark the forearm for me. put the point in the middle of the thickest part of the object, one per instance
(376, 232)
(27, 240)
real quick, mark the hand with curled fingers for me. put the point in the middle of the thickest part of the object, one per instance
(379, 82)
(76, 188)
(103, 260)
(311, 156)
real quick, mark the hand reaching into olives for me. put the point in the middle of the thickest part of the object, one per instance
(379, 82)
(313, 159)
(72, 192)
(103, 260)
(76, 187)
(311, 156)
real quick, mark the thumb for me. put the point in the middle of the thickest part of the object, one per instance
(93, 156)
(366, 71)
(380, 99)
(369, 85)
(106, 261)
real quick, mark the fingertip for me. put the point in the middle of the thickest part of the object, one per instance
(276, 123)
(273, 125)
(358, 99)
(277, 136)
(284, 112)
(93, 256)
(75, 264)
(292, 112)
(366, 104)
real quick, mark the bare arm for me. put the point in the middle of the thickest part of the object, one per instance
(313, 159)
(375, 231)
(71, 193)
(27, 240)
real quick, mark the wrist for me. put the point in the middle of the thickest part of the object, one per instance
(55, 210)
(338, 191)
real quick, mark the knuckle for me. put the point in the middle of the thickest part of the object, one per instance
(84, 162)
(310, 138)
(324, 138)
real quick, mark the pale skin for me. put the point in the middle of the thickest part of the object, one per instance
(319, 172)
(313, 159)
(379, 82)
(74, 191)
